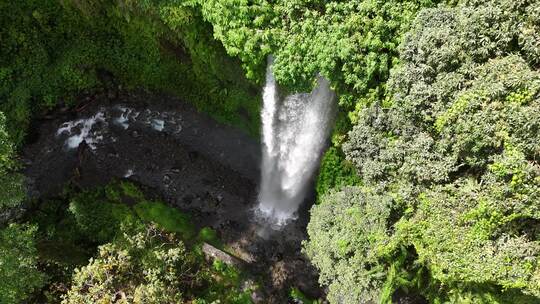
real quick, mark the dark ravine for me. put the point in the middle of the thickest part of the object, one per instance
(202, 167)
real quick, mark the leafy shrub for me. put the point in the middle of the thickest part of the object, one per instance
(119, 215)
(346, 232)
(11, 184)
(19, 275)
(335, 172)
(97, 218)
(146, 265)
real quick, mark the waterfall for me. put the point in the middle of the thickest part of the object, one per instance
(295, 131)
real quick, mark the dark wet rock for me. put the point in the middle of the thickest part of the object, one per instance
(26, 162)
(10, 215)
(402, 297)
(187, 199)
(193, 155)
(176, 169)
(112, 95)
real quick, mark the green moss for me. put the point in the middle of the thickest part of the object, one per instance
(131, 190)
(209, 236)
(228, 285)
(299, 297)
(166, 217)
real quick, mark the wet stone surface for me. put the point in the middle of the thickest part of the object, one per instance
(202, 167)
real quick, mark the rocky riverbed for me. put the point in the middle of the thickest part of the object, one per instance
(202, 167)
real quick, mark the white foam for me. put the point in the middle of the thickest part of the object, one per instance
(126, 115)
(157, 124)
(128, 173)
(82, 130)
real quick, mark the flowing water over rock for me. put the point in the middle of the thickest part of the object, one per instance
(81, 130)
(295, 133)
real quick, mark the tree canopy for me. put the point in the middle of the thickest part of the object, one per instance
(146, 265)
(18, 260)
(456, 147)
(353, 43)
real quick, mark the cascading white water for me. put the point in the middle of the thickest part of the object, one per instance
(295, 130)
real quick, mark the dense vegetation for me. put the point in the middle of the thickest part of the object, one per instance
(19, 272)
(52, 50)
(431, 186)
(91, 247)
(450, 162)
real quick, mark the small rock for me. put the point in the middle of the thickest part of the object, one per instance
(176, 169)
(257, 297)
(26, 161)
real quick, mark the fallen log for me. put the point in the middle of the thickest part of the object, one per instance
(213, 253)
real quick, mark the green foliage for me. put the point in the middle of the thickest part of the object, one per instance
(144, 242)
(335, 172)
(456, 149)
(19, 275)
(11, 184)
(229, 287)
(59, 237)
(32, 60)
(6, 147)
(72, 226)
(97, 218)
(99, 213)
(354, 44)
(300, 297)
(467, 234)
(123, 191)
(347, 233)
(52, 50)
(12, 191)
(146, 265)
